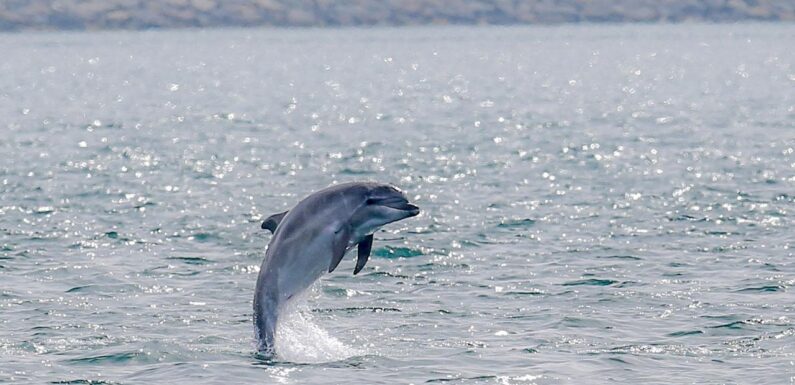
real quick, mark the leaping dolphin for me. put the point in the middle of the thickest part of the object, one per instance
(312, 238)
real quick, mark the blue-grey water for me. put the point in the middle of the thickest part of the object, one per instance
(601, 204)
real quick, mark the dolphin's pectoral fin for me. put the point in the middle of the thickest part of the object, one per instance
(340, 245)
(364, 252)
(272, 222)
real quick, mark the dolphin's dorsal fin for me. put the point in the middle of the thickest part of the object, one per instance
(339, 246)
(364, 252)
(273, 221)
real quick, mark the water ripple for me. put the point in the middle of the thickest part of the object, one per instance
(590, 210)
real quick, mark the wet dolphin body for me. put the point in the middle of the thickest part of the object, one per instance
(311, 239)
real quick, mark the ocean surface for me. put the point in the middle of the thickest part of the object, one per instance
(601, 204)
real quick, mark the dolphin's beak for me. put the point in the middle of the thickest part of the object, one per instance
(413, 210)
(401, 204)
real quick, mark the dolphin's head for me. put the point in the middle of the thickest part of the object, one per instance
(382, 204)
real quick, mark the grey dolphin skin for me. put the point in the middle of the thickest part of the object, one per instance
(311, 239)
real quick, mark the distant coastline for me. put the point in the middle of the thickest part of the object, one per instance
(18, 15)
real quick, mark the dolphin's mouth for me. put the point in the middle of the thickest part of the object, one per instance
(401, 204)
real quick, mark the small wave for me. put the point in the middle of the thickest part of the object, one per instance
(204, 237)
(762, 289)
(525, 292)
(396, 252)
(192, 260)
(516, 223)
(374, 309)
(685, 333)
(590, 282)
(488, 379)
(626, 257)
(730, 325)
(79, 288)
(109, 359)
(351, 171)
(387, 274)
(460, 379)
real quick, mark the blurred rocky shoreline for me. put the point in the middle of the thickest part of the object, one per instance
(145, 14)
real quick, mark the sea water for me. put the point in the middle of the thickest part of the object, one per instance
(600, 204)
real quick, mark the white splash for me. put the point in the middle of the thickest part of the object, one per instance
(300, 339)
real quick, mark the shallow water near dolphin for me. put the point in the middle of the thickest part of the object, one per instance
(601, 204)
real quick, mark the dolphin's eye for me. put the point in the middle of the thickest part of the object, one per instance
(369, 201)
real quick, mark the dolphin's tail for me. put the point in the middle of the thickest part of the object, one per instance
(265, 317)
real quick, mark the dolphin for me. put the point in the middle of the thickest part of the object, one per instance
(311, 239)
